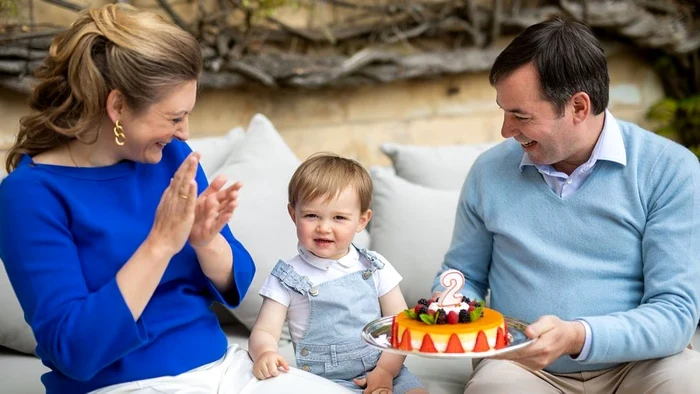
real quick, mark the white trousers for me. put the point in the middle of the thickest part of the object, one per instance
(232, 374)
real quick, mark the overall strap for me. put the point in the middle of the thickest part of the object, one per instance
(290, 278)
(374, 260)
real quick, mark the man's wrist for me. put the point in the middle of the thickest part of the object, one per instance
(578, 338)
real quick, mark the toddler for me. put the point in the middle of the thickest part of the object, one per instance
(331, 289)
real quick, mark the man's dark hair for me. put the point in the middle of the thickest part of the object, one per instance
(568, 58)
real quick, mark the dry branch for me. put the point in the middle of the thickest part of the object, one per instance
(395, 40)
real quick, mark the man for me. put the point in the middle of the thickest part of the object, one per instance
(585, 225)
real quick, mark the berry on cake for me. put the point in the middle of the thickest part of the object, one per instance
(452, 324)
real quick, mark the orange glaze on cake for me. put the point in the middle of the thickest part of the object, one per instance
(489, 332)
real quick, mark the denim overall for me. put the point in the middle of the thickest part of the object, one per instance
(331, 346)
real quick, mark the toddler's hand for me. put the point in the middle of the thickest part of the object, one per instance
(377, 381)
(268, 365)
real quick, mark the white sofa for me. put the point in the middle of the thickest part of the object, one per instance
(414, 204)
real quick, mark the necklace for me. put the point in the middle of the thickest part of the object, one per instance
(70, 154)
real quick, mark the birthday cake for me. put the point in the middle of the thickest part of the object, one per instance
(452, 324)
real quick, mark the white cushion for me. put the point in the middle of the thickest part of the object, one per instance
(412, 227)
(263, 162)
(440, 167)
(215, 150)
(15, 333)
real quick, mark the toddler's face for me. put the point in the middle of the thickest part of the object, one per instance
(327, 228)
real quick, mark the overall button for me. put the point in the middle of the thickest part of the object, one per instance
(313, 291)
(366, 275)
(306, 368)
(304, 352)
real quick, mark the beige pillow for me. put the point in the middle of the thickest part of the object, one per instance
(263, 162)
(439, 167)
(215, 150)
(412, 227)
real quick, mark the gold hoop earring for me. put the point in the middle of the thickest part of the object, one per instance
(119, 136)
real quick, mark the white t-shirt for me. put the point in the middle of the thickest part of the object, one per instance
(320, 270)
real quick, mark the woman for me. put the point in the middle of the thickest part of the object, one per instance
(113, 241)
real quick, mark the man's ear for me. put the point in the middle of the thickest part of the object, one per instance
(580, 106)
(292, 214)
(116, 105)
(364, 219)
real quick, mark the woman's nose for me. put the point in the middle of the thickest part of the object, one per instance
(183, 132)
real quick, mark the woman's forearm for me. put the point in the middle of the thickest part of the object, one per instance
(138, 278)
(216, 261)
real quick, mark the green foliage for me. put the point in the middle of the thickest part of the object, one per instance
(9, 8)
(679, 120)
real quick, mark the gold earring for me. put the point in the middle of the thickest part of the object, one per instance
(119, 136)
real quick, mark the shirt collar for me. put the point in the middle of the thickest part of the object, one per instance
(346, 261)
(610, 146)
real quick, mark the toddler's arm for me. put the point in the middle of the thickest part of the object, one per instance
(264, 339)
(389, 365)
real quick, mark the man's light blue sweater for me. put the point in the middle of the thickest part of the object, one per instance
(622, 253)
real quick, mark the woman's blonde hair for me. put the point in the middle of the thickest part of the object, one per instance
(114, 47)
(327, 175)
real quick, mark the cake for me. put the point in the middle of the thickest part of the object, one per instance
(464, 327)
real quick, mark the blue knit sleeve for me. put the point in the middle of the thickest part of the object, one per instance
(666, 319)
(78, 331)
(243, 266)
(470, 249)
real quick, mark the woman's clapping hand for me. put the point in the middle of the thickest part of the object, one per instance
(214, 209)
(175, 214)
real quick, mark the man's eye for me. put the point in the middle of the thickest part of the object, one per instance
(177, 120)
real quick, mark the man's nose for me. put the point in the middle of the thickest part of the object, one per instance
(508, 129)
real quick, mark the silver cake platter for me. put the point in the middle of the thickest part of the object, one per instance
(377, 333)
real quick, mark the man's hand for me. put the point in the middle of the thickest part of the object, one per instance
(554, 338)
(378, 381)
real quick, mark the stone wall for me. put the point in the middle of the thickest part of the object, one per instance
(354, 122)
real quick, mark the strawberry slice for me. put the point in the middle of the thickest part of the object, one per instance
(428, 346)
(406, 340)
(454, 345)
(481, 344)
(394, 333)
(500, 339)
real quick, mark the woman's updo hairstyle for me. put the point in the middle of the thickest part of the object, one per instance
(114, 47)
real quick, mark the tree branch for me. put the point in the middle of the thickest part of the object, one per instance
(65, 4)
(171, 12)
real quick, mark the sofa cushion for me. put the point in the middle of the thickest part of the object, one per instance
(440, 167)
(215, 150)
(412, 227)
(15, 333)
(263, 162)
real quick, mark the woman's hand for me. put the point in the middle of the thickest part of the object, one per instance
(213, 210)
(176, 211)
(268, 365)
